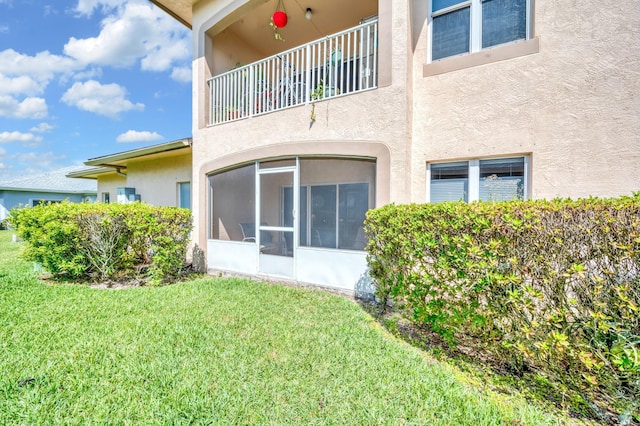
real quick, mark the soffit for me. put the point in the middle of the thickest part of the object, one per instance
(179, 9)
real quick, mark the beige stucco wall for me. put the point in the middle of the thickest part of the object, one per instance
(228, 51)
(156, 180)
(110, 183)
(574, 106)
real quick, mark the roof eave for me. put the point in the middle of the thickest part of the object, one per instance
(91, 173)
(49, 191)
(186, 21)
(141, 152)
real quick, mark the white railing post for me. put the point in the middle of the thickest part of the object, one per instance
(211, 117)
(252, 85)
(307, 74)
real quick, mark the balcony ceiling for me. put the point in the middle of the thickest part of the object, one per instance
(328, 17)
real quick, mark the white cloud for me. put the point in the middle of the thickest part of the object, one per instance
(135, 31)
(28, 108)
(19, 85)
(42, 67)
(42, 128)
(86, 7)
(39, 160)
(4, 29)
(108, 99)
(135, 136)
(24, 75)
(182, 74)
(6, 137)
(91, 73)
(162, 56)
(49, 10)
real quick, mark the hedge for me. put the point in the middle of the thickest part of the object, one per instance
(551, 287)
(105, 241)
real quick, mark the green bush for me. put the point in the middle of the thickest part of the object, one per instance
(544, 286)
(105, 241)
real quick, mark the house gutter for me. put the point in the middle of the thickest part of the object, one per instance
(108, 160)
(82, 174)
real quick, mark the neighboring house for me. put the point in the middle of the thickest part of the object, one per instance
(52, 186)
(158, 174)
(368, 102)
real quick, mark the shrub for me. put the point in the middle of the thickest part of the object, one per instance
(105, 241)
(544, 286)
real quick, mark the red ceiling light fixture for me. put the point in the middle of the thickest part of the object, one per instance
(278, 20)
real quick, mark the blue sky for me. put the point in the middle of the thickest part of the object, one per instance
(85, 78)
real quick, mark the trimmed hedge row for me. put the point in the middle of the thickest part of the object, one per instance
(105, 241)
(544, 286)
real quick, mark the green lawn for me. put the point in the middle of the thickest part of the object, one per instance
(218, 351)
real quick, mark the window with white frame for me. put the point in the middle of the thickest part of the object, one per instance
(459, 27)
(496, 179)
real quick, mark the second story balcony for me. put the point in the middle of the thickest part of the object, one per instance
(339, 64)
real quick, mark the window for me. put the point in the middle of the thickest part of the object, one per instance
(337, 215)
(502, 179)
(184, 195)
(37, 202)
(497, 179)
(105, 197)
(459, 27)
(332, 214)
(450, 181)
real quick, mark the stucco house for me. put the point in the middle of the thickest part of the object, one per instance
(53, 186)
(299, 130)
(158, 174)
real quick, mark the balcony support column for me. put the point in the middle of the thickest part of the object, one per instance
(385, 20)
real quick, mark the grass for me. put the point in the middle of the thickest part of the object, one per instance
(218, 351)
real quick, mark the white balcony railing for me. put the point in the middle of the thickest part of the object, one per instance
(336, 65)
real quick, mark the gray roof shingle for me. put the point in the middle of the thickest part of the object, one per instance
(52, 181)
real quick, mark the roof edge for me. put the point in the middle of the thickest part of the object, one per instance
(89, 173)
(171, 13)
(49, 191)
(140, 152)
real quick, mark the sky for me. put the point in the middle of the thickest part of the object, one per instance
(80, 79)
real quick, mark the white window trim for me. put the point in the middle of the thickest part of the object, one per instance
(474, 175)
(476, 26)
